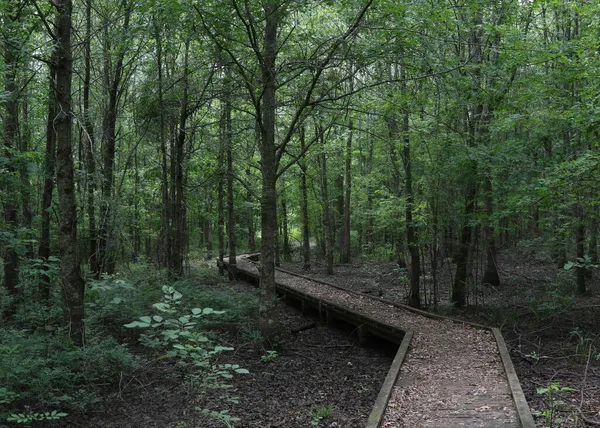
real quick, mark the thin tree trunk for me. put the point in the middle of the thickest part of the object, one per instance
(220, 214)
(26, 191)
(329, 235)
(10, 140)
(164, 256)
(414, 298)
(287, 251)
(209, 228)
(227, 135)
(347, 244)
(179, 217)
(90, 145)
(580, 247)
(491, 276)
(73, 285)
(49, 173)
(338, 215)
(304, 205)
(113, 77)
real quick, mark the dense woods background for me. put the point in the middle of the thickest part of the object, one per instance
(158, 133)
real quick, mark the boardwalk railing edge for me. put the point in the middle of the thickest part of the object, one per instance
(523, 410)
(525, 416)
(383, 398)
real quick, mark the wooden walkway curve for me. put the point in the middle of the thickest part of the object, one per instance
(446, 374)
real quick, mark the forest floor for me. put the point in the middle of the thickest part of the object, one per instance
(316, 377)
(553, 334)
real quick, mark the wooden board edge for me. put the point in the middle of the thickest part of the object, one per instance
(523, 411)
(380, 406)
(388, 302)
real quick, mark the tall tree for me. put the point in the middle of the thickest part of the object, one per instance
(73, 286)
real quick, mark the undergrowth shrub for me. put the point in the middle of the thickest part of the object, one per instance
(43, 376)
(42, 372)
(555, 297)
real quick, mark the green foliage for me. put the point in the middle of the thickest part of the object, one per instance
(585, 345)
(321, 412)
(25, 418)
(556, 298)
(222, 416)
(553, 402)
(269, 355)
(176, 331)
(47, 372)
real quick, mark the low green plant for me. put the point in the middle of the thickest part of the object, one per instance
(556, 298)
(222, 416)
(269, 355)
(585, 344)
(49, 374)
(176, 331)
(553, 402)
(27, 418)
(321, 412)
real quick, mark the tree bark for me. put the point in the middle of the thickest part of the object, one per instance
(269, 163)
(580, 248)
(329, 235)
(287, 251)
(304, 205)
(179, 217)
(164, 256)
(10, 140)
(106, 256)
(347, 244)
(73, 285)
(90, 144)
(414, 298)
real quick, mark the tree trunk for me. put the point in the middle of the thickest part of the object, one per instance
(106, 250)
(414, 298)
(304, 205)
(230, 195)
(27, 189)
(347, 244)
(209, 228)
(49, 173)
(328, 232)
(220, 214)
(11, 135)
(179, 217)
(73, 285)
(580, 247)
(491, 276)
(164, 256)
(90, 145)
(287, 251)
(269, 163)
(338, 215)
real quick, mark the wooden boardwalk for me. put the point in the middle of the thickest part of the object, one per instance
(447, 373)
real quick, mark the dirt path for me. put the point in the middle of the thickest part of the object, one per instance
(453, 375)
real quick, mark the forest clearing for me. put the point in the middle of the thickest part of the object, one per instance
(294, 213)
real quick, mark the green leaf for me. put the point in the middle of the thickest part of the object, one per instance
(196, 311)
(146, 319)
(242, 371)
(157, 318)
(136, 324)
